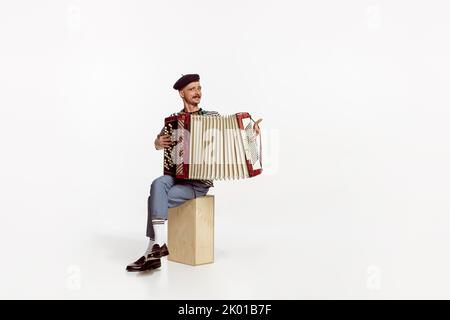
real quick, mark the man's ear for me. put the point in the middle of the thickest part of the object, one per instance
(181, 93)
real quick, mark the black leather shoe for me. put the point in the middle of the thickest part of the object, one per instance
(155, 253)
(144, 264)
(164, 250)
(137, 265)
(152, 261)
(159, 252)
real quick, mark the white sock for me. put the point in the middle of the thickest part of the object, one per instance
(160, 232)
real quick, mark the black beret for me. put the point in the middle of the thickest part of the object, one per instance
(185, 80)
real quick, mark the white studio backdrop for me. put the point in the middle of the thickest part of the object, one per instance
(354, 97)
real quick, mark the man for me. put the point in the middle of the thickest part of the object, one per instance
(168, 192)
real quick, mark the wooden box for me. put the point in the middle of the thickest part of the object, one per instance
(191, 231)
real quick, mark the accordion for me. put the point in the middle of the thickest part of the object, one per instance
(212, 147)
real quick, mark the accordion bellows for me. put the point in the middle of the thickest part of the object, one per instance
(208, 147)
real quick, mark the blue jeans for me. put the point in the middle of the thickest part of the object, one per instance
(167, 192)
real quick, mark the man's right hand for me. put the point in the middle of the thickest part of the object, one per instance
(163, 141)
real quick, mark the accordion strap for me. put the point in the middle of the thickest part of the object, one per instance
(260, 145)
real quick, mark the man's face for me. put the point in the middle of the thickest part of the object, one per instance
(192, 93)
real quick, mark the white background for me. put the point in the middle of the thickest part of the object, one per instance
(354, 96)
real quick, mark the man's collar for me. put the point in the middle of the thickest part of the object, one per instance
(199, 110)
